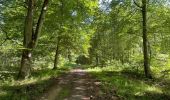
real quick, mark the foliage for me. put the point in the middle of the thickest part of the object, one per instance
(91, 32)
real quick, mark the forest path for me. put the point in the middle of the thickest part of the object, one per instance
(75, 85)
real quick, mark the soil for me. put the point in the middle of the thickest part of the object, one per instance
(78, 85)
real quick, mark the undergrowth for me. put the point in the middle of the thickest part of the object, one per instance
(131, 84)
(32, 87)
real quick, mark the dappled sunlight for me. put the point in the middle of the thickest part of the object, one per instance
(99, 69)
(40, 79)
(154, 89)
(84, 50)
(31, 81)
(126, 86)
(3, 93)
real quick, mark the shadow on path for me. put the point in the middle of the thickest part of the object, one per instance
(76, 85)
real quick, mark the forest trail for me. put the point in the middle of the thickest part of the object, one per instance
(76, 85)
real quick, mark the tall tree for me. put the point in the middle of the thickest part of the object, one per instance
(31, 36)
(145, 38)
(57, 54)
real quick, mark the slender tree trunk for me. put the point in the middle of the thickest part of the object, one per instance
(56, 59)
(56, 55)
(40, 23)
(97, 60)
(145, 41)
(69, 56)
(30, 37)
(122, 58)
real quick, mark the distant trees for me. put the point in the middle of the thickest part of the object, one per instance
(114, 37)
(69, 27)
(125, 31)
(117, 33)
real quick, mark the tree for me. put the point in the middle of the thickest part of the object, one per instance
(70, 27)
(145, 40)
(31, 36)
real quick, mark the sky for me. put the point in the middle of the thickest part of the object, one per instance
(104, 6)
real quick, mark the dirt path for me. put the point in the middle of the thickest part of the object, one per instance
(76, 85)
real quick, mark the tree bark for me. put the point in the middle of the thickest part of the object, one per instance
(145, 41)
(56, 55)
(40, 23)
(97, 60)
(26, 55)
(25, 65)
(69, 56)
(30, 37)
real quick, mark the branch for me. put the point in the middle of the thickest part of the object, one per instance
(6, 36)
(137, 4)
(40, 22)
(3, 42)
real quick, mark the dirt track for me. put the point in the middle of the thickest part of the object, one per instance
(76, 85)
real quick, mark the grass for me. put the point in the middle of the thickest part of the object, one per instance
(65, 92)
(131, 85)
(128, 83)
(30, 88)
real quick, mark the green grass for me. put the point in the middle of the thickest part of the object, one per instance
(42, 77)
(65, 92)
(29, 88)
(129, 84)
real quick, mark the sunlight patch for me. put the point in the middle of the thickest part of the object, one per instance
(154, 89)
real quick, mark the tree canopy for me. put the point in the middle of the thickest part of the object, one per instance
(42, 34)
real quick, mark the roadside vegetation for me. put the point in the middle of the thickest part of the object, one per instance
(123, 44)
(130, 83)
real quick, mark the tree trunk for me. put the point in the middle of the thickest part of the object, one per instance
(56, 55)
(69, 56)
(145, 41)
(30, 37)
(26, 55)
(122, 58)
(40, 23)
(97, 60)
(25, 65)
(56, 59)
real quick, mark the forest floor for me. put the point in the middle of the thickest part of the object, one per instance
(78, 84)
